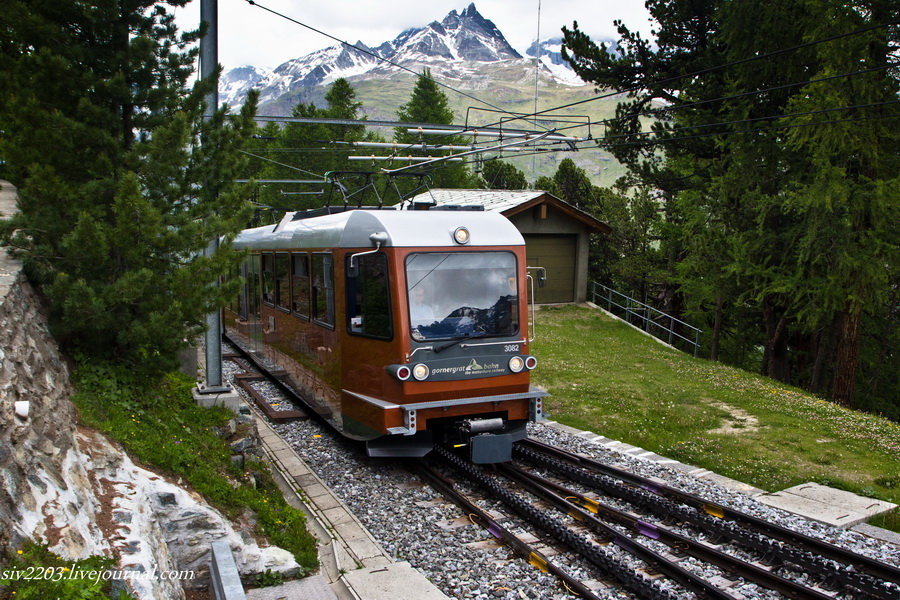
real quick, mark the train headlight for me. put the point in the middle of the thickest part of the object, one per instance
(516, 364)
(461, 236)
(530, 362)
(420, 372)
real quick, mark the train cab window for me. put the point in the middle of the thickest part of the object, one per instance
(268, 278)
(282, 281)
(300, 284)
(462, 294)
(368, 297)
(323, 289)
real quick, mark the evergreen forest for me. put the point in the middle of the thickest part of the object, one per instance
(761, 139)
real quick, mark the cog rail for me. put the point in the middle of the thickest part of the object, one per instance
(774, 542)
(482, 518)
(567, 500)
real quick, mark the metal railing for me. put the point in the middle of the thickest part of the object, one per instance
(225, 581)
(660, 325)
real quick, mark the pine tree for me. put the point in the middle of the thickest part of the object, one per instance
(428, 104)
(777, 224)
(310, 151)
(500, 175)
(118, 196)
(846, 203)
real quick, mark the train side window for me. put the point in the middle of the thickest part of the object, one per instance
(252, 275)
(283, 281)
(323, 289)
(368, 298)
(300, 284)
(268, 278)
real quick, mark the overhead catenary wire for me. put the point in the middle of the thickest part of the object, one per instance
(444, 158)
(712, 69)
(283, 164)
(667, 140)
(758, 119)
(549, 142)
(671, 109)
(661, 110)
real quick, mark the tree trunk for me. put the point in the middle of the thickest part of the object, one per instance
(775, 358)
(123, 41)
(824, 350)
(847, 354)
(717, 328)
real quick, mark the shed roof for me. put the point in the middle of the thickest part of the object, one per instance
(510, 202)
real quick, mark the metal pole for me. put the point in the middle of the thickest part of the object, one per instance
(209, 59)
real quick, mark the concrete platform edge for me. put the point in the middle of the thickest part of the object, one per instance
(357, 558)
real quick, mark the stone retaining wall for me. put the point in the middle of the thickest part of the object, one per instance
(73, 489)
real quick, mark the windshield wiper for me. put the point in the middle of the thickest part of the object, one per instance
(467, 336)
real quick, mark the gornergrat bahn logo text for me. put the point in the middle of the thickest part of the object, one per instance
(472, 368)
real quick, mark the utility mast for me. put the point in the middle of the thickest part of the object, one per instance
(212, 390)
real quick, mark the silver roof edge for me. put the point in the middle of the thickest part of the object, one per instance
(352, 229)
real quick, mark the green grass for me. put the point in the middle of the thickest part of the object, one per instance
(608, 378)
(34, 573)
(161, 427)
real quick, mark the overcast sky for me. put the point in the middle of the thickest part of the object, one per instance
(251, 35)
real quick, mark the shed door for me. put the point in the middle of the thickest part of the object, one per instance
(556, 253)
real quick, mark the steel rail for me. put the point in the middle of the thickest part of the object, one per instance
(608, 564)
(296, 398)
(860, 572)
(480, 517)
(565, 498)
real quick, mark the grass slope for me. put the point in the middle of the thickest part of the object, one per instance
(606, 377)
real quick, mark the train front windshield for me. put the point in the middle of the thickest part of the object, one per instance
(462, 294)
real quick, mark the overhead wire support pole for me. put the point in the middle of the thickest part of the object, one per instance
(209, 59)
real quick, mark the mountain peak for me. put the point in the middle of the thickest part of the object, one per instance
(452, 44)
(470, 12)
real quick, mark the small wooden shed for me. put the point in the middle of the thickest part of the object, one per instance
(557, 234)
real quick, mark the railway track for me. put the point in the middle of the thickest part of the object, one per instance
(792, 564)
(577, 503)
(776, 545)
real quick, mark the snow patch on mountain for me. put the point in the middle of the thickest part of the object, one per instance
(450, 48)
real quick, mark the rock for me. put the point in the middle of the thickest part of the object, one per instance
(166, 499)
(76, 491)
(243, 444)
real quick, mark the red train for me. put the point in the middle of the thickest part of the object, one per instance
(403, 328)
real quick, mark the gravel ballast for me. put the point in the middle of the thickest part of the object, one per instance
(412, 522)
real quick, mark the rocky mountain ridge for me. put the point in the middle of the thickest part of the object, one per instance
(452, 48)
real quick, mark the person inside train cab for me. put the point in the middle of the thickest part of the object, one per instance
(421, 312)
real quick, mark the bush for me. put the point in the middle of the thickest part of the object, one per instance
(33, 572)
(160, 425)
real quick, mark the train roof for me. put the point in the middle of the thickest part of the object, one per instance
(404, 228)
